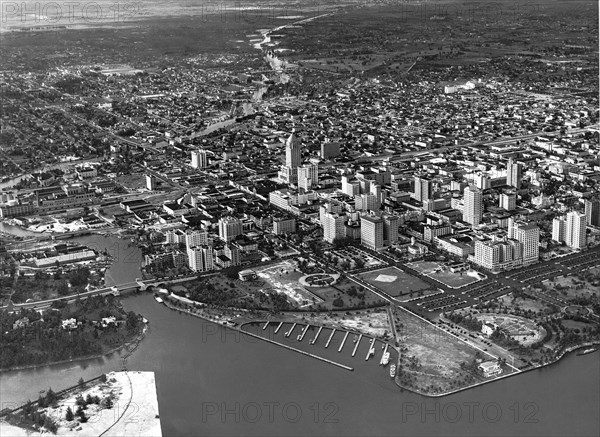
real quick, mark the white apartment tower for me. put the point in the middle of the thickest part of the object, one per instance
(199, 158)
(229, 228)
(473, 210)
(575, 236)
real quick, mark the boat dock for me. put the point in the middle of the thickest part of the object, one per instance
(329, 339)
(371, 350)
(314, 340)
(343, 366)
(343, 341)
(265, 327)
(304, 333)
(384, 352)
(278, 327)
(356, 345)
(287, 334)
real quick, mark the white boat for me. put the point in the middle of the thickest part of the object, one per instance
(385, 359)
(392, 370)
(158, 299)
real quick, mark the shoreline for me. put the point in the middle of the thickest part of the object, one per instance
(412, 390)
(137, 340)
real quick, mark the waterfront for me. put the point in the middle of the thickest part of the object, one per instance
(203, 369)
(214, 381)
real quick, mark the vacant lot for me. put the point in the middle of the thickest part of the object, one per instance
(394, 281)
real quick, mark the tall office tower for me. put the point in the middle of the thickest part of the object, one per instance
(371, 232)
(423, 189)
(229, 228)
(390, 229)
(575, 236)
(196, 238)
(199, 159)
(367, 202)
(592, 212)
(293, 158)
(529, 235)
(308, 176)
(333, 226)
(200, 258)
(473, 212)
(150, 182)
(559, 228)
(513, 173)
(508, 201)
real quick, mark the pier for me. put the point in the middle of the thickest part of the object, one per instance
(383, 355)
(343, 341)
(287, 334)
(303, 333)
(265, 327)
(329, 339)
(314, 340)
(356, 345)
(343, 366)
(371, 350)
(278, 327)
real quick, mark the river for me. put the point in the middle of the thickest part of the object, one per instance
(214, 381)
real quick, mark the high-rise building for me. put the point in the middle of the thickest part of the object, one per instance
(473, 209)
(592, 211)
(200, 258)
(199, 158)
(308, 176)
(371, 232)
(196, 238)
(390, 229)
(350, 185)
(559, 229)
(508, 201)
(293, 158)
(528, 234)
(575, 236)
(513, 173)
(284, 225)
(333, 226)
(423, 189)
(367, 202)
(150, 182)
(498, 255)
(229, 228)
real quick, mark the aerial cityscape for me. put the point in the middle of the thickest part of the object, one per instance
(353, 217)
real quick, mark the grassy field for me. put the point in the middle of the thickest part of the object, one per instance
(430, 358)
(394, 281)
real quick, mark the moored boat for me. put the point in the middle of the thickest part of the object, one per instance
(392, 370)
